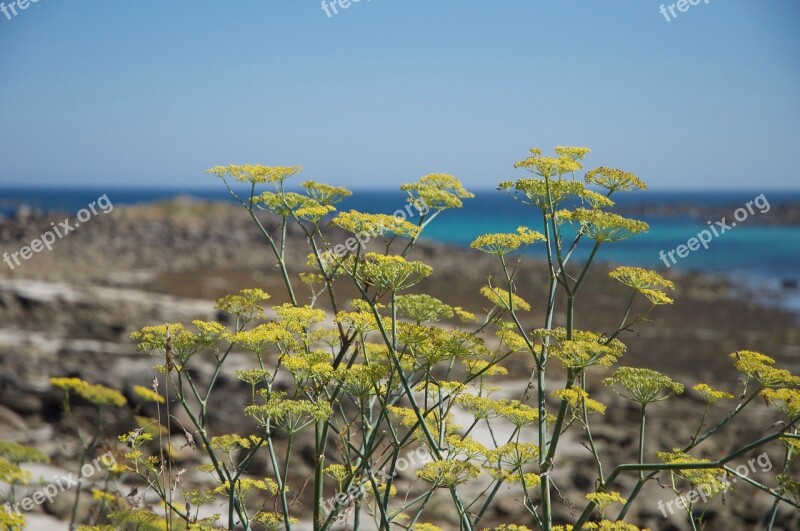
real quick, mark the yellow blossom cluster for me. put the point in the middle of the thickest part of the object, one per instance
(547, 194)
(246, 486)
(423, 308)
(614, 180)
(480, 407)
(572, 152)
(286, 204)
(579, 400)
(504, 243)
(362, 380)
(253, 376)
(604, 500)
(585, 349)
(291, 415)
(362, 320)
(705, 478)
(643, 385)
(710, 394)
(483, 368)
(567, 161)
(501, 299)
(647, 282)
(18, 453)
(97, 394)
(392, 273)
(437, 191)
(433, 420)
(298, 319)
(375, 224)
(272, 521)
(603, 525)
(230, 443)
(449, 473)
(602, 226)
(304, 366)
(255, 173)
(148, 395)
(760, 368)
(326, 194)
(785, 399)
(510, 338)
(245, 304)
(264, 336)
(183, 343)
(517, 413)
(432, 344)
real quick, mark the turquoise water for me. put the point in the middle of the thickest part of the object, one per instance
(755, 251)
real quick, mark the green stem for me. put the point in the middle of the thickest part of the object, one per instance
(641, 439)
(657, 467)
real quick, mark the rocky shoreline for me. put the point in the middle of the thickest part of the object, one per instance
(70, 311)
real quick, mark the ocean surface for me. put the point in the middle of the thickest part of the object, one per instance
(763, 256)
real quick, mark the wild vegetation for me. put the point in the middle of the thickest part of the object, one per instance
(382, 380)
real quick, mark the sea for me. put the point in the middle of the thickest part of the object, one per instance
(761, 257)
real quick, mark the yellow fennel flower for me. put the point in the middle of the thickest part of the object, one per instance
(244, 304)
(710, 394)
(423, 308)
(436, 191)
(759, 367)
(705, 478)
(392, 273)
(255, 173)
(325, 194)
(375, 224)
(501, 244)
(148, 394)
(579, 400)
(643, 385)
(500, 298)
(448, 473)
(604, 500)
(262, 337)
(298, 318)
(603, 525)
(603, 226)
(787, 400)
(286, 204)
(97, 394)
(314, 213)
(17, 453)
(647, 282)
(548, 167)
(571, 152)
(517, 413)
(230, 443)
(544, 193)
(613, 179)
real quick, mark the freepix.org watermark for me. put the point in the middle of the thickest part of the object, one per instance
(62, 484)
(681, 5)
(331, 7)
(60, 230)
(13, 8)
(715, 230)
(352, 243)
(702, 492)
(419, 456)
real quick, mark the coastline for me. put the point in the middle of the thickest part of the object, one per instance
(70, 311)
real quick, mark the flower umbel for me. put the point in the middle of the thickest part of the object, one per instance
(643, 385)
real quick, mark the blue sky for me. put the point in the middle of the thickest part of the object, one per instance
(151, 93)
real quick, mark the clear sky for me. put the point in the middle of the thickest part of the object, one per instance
(146, 92)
